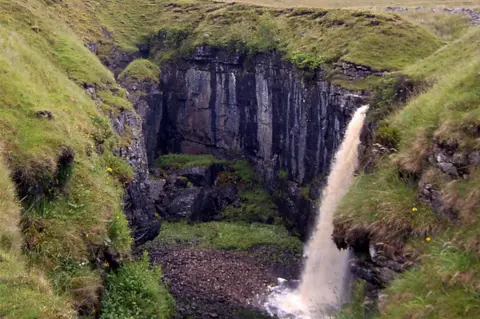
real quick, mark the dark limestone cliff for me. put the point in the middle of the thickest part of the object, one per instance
(281, 118)
(261, 106)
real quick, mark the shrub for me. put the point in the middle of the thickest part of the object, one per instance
(244, 170)
(119, 237)
(283, 175)
(387, 136)
(135, 292)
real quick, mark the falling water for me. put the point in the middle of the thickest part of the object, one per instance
(324, 285)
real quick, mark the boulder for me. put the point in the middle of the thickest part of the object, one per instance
(211, 201)
(197, 175)
(182, 205)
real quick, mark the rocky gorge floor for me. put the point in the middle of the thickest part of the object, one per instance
(222, 244)
(210, 283)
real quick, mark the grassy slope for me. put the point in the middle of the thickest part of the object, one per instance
(306, 37)
(24, 293)
(365, 4)
(43, 66)
(445, 283)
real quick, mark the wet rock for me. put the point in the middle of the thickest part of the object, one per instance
(474, 159)
(212, 201)
(396, 9)
(472, 14)
(449, 159)
(355, 71)
(92, 91)
(139, 205)
(117, 59)
(298, 210)
(181, 182)
(380, 277)
(197, 175)
(156, 188)
(182, 206)
(212, 103)
(447, 168)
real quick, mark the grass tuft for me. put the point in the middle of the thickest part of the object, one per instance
(135, 291)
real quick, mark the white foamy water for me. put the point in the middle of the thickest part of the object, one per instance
(324, 285)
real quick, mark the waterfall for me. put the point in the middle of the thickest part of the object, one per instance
(324, 285)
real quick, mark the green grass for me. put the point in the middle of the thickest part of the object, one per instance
(453, 97)
(43, 67)
(135, 292)
(255, 206)
(444, 285)
(115, 102)
(244, 170)
(387, 206)
(140, 70)
(311, 38)
(307, 37)
(446, 60)
(182, 161)
(24, 293)
(446, 26)
(384, 203)
(367, 4)
(228, 236)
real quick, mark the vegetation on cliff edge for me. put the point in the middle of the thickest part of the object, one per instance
(386, 204)
(307, 37)
(58, 144)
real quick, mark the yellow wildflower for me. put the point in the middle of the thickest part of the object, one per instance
(428, 239)
(414, 209)
(106, 264)
(109, 169)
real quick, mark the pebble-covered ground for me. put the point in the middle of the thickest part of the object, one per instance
(209, 283)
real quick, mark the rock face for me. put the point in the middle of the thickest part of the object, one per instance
(230, 104)
(138, 204)
(261, 106)
(139, 207)
(192, 194)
